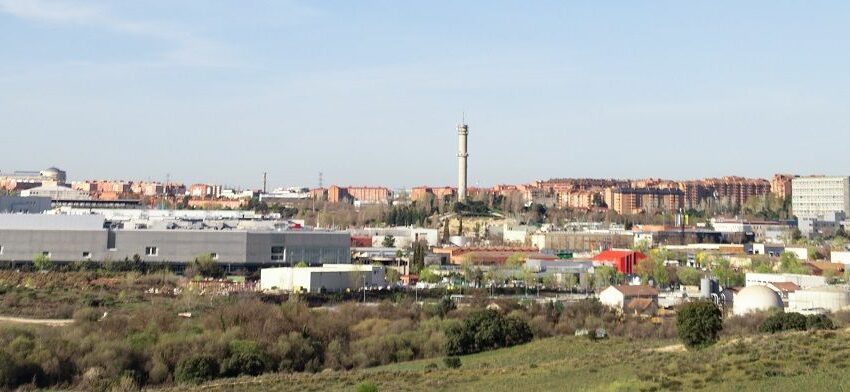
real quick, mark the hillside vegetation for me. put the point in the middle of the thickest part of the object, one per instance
(782, 362)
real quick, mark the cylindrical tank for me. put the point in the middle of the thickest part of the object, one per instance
(705, 287)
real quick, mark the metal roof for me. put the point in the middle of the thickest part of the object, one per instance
(50, 222)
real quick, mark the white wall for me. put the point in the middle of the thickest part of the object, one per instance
(801, 253)
(333, 278)
(612, 297)
(840, 257)
(804, 281)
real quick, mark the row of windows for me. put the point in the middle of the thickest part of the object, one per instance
(149, 251)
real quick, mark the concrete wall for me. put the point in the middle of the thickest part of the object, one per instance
(62, 245)
(28, 205)
(177, 246)
(180, 246)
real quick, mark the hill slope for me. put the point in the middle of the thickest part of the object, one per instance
(788, 362)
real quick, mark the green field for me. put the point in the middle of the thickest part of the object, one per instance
(783, 362)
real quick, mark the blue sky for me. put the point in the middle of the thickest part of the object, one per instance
(368, 92)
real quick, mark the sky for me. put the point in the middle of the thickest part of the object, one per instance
(369, 92)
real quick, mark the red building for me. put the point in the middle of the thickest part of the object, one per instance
(361, 242)
(623, 260)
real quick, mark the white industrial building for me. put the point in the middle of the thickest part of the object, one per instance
(327, 278)
(403, 236)
(815, 196)
(840, 257)
(56, 192)
(819, 299)
(804, 281)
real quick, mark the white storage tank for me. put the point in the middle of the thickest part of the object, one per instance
(755, 299)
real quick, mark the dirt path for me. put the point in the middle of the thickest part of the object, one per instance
(47, 322)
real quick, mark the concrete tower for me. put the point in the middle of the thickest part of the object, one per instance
(462, 132)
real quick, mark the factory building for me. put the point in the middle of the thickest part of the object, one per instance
(328, 278)
(804, 281)
(70, 238)
(819, 300)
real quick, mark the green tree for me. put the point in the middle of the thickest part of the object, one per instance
(392, 275)
(645, 269)
(515, 260)
(790, 264)
(196, 369)
(42, 262)
(486, 330)
(689, 276)
(570, 281)
(660, 273)
(428, 275)
(205, 266)
(388, 242)
(699, 323)
(603, 276)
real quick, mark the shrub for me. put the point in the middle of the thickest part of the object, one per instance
(699, 323)
(779, 322)
(299, 352)
(243, 363)
(451, 362)
(246, 358)
(486, 330)
(42, 262)
(366, 387)
(14, 373)
(819, 321)
(196, 369)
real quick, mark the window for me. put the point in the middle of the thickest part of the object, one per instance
(87, 255)
(45, 253)
(151, 251)
(1, 249)
(214, 256)
(277, 253)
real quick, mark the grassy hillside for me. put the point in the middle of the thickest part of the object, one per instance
(786, 362)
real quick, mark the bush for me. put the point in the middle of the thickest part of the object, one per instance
(366, 387)
(13, 374)
(699, 323)
(196, 369)
(243, 363)
(486, 330)
(299, 352)
(819, 321)
(451, 362)
(784, 322)
(42, 262)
